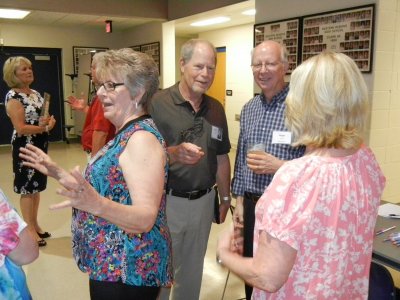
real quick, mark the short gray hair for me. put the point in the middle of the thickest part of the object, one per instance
(189, 46)
(138, 71)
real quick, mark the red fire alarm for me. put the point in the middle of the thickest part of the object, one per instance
(108, 26)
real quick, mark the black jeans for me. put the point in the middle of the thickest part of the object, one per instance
(106, 290)
(249, 206)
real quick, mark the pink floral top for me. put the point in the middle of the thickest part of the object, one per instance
(12, 277)
(326, 209)
(10, 227)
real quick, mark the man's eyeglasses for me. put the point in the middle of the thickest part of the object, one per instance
(190, 134)
(109, 86)
(267, 66)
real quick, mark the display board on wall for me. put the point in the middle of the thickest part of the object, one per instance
(78, 51)
(285, 32)
(349, 31)
(152, 49)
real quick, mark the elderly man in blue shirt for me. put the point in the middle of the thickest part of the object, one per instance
(264, 142)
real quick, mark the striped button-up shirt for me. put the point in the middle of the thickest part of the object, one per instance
(258, 120)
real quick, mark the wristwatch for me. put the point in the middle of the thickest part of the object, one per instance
(226, 198)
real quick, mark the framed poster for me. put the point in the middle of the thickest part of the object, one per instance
(77, 51)
(136, 48)
(152, 49)
(285, 32)
(349, 31)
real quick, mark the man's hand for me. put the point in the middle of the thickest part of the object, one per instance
(238, 213)
(185, 153)
(223, 210)
(263, 163)
(76, 104)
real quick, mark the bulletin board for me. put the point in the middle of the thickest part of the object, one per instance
(78, 51)
(152, 49)
(349, 31)
(285, 32)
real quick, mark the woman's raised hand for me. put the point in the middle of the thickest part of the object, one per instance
(35, 158)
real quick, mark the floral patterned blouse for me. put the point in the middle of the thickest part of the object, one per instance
(104, 250)
(326, 209)
(12, 277)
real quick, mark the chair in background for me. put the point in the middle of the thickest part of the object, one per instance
(381, 285)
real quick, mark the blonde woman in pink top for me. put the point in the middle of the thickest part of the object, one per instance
(315, 222)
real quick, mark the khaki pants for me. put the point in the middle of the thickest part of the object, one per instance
(189, 222)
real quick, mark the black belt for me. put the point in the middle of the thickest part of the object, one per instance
(252, 196)
(193, 195)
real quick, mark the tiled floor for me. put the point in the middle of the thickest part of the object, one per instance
(55, 276)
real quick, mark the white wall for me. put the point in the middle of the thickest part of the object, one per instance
(239, 78)
(385, 120)
(144, 34)
(271, 10)
(180, 9)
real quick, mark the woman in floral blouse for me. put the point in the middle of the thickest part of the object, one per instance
(120, 235)
(315, 222)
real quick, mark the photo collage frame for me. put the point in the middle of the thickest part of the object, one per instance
(349, 31)
(152, 49)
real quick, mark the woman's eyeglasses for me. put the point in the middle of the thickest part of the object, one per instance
(109, 86)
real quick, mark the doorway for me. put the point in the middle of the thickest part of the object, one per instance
(217, 89)
(46, 64)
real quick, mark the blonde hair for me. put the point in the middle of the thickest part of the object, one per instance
(9, 70)
(327, 104)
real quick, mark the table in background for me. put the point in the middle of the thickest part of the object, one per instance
(385, 252)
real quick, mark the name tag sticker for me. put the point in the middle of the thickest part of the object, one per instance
(282, 137)
(216, 133)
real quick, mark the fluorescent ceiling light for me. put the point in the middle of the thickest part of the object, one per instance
(13, 13)
(249, 12)
(212, 21)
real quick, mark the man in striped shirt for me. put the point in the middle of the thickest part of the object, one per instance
(264, 142)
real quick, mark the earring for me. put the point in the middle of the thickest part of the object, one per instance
(136, 104)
